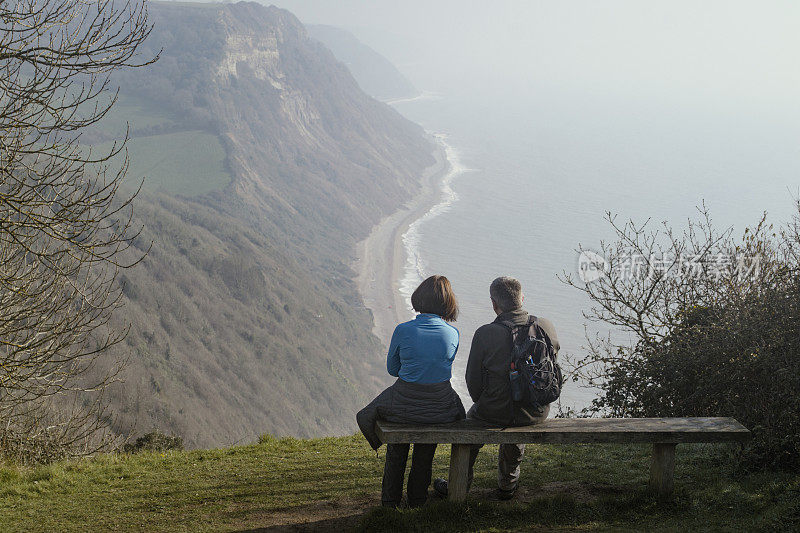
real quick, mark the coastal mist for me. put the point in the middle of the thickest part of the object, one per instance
(216, 213)
(554, 114)
(536, 177)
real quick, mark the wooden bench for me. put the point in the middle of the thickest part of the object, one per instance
(663, 433)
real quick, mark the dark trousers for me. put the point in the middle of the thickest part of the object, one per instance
(509, 457)
(419, 479)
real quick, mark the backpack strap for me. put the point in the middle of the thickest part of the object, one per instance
(514, 328)
(533, 324)
(516, 339)
(532, 321)
(540, 333)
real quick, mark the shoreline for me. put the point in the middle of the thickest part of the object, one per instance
(381, 257)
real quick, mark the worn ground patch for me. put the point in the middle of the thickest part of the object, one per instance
(332, 515)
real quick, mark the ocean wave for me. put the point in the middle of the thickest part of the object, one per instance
(424, 95)
(415, 269)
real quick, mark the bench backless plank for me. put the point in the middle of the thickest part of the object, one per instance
(663, 433)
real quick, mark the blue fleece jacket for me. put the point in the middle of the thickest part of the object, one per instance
(422, 350)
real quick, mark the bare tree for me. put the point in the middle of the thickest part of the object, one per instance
(65, 229)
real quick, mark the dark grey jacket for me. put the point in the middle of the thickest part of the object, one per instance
(488, 366)
(410, 403)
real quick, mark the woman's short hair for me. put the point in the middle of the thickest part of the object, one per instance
(435, 295)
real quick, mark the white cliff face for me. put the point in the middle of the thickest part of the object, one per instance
(258, 56)
(259, 53)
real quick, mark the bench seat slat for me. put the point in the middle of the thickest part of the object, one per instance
(572, 430)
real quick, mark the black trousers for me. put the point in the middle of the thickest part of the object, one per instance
(419, 479)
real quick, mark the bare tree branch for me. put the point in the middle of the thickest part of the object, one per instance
(65, 226)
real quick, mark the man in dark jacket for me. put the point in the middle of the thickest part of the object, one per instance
(489, 386)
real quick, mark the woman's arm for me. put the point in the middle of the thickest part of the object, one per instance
(393, 359)
(456, 342)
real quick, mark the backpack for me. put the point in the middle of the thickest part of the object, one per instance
(535, 376)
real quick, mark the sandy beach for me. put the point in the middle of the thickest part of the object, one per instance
(381, 257)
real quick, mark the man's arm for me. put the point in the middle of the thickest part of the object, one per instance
(474, 376)
(550, 329)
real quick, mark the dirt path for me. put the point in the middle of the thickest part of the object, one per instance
(343, 515)
(326, 516)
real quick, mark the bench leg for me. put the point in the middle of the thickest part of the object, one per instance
(663, 468)
(459, 468)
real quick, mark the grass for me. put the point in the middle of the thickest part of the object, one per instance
(133, 112)
(184, 161)
(188, 162)
(334, 484)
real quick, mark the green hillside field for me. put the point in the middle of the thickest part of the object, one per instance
(172, 156)
(334, 484)
(136, 113)
(189, 163)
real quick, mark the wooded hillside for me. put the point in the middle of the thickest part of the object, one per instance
(245, 319)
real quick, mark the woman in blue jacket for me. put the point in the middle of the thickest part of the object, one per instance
(421, 355)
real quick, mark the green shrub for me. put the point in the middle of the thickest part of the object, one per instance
(717, 343)
(741, 361)
(266, 438)
(155, 441)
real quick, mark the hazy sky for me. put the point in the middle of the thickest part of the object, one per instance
(717, 52)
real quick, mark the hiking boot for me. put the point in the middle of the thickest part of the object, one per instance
(392, 505)
(417, 504)
(440, 487)
(505, 494)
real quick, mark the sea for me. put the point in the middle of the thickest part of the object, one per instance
(532, 179)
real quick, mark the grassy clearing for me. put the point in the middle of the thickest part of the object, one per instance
(334, 484)
(189, 163)
(134, 113)
(169, 156)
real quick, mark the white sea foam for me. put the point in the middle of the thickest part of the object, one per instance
(424, 95)
(415, 269)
